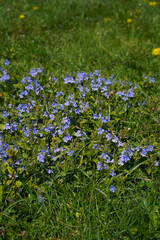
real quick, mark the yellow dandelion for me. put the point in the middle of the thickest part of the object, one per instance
(107, 19)
(156, 51)
(35, 8)
(152, 3)
(129, 20)
(0, 94)
(21, 16)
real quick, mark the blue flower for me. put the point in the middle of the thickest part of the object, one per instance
(33, 72)
(45, 114)
(5, 114)
(6, 127)
(105, 166)
(108, 136)
(94, 146)
(104, 120)
(69, 79)
(115, 139)
(156, 163)
(144, 152)
(52, 116)
(49, 171)
(41, 158)
(56, 150)
(60, 131)
(77, 111)
(150, 148)
(40, 199)
(99, 166)
(112, 188)
(29, 87)
(7, 62)
(113, 173)
(70, 153)
(39, 70)
(100, 131)
(95, 116)
(67, 138)
(152, 80)
(108, 82)
(105, 157)
(78, 133)
(130, 93)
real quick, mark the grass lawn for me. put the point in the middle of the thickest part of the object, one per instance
(79, 119)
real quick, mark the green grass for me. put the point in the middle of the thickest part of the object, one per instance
(64, 37)
(85, 41)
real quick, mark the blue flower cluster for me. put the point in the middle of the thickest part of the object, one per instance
(75, 118)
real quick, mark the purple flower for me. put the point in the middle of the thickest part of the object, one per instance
(6, 127)
(26, 132)
(5, 114)
(108, 136)
(39, 70)
(156, 163)
(94, 146)
(40, 199)
(66, 120)
(60, 131)
(144, 152)
(23, 93)
(33, 72)
(108, 82)
(45, 114)
(120, 144)
(51, 116)
(152, 80)
(112, 188)
(115, 139)
(70, 153)
(150, 148)
(56, 150)
(106, 94)
(95, 116)
(100, 131)
(105, 166)
(77, 111)
(103, 120)
(41, 158)
(29, 87)
(130, 84)
(78, 133)
(7, 62)
(99, 166)
(105, 157)
(113, 173)
(49, 171)
(130, 93)
(69, 79)
(67, 138)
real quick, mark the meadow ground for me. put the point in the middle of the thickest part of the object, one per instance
(79, 119)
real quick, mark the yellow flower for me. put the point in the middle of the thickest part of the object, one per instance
(152, 3)
(156, 51)
(129, 20)
(35, 8)
(107, 19)
(0, 95)
(21, 16)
